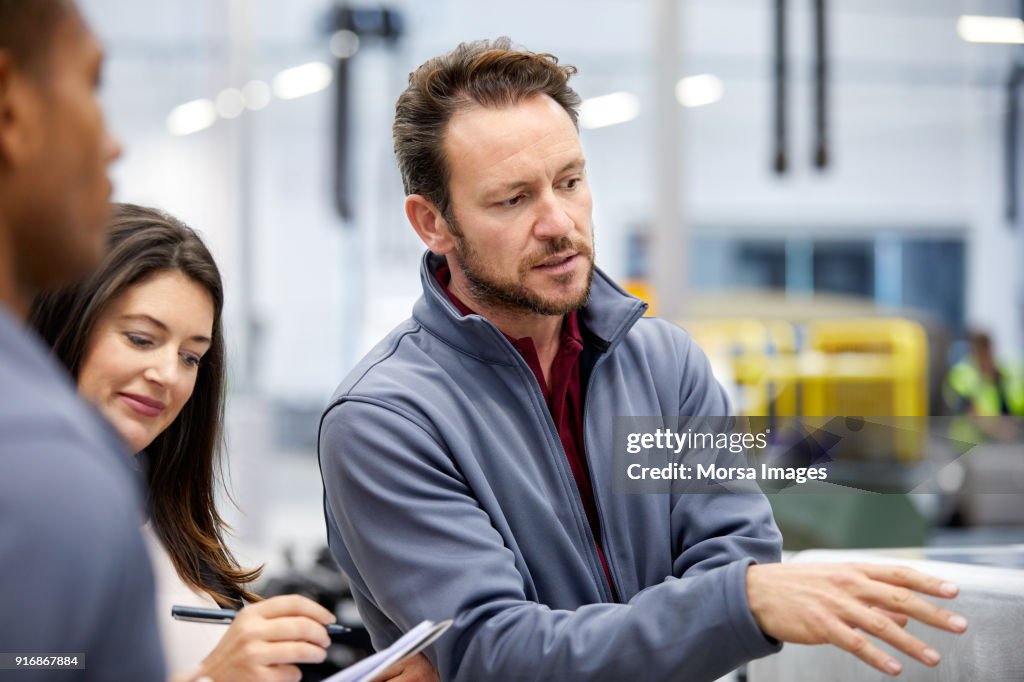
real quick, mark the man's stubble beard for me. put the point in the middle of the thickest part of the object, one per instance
(512, 296)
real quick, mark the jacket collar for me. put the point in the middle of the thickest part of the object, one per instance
(608, 316)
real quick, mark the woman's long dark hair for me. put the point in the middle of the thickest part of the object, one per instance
(184, 464)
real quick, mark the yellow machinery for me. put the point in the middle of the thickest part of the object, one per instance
(643, 290)
(843, 367)
(867, 367)
(876, 366)
(755, 350)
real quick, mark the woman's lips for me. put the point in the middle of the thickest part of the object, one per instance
(141, 404)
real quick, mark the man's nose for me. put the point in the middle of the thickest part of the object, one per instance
(111, 147)
(552, 219)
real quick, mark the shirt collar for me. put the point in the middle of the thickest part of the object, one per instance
(570, 327)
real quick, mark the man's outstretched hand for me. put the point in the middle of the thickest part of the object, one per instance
(843, 603)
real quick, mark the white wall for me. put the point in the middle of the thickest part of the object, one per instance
(916, 131)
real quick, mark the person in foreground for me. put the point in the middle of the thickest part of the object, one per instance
(467, 459)
(143, 338)
(76, 577)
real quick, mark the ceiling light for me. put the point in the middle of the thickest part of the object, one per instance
(191, 117)
(608, 110)
(257, 95)
(230, 103)
(302, 80)
(977, 29)
(696, 91)
(344, 44)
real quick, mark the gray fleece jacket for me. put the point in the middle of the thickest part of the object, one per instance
(448, 495)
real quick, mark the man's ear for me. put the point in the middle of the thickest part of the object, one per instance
(431, 227)
(16, 112)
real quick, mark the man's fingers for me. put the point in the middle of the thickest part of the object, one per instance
(893, 588)
(877, 624)
(415, 669)
(904, 576)
(857, 643)
(900, 619)
(391, 673)
(902, 600)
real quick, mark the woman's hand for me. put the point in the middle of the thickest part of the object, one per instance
(267, 638)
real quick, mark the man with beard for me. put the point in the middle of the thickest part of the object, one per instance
(467, 459)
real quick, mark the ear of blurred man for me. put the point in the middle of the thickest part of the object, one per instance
(54, 153)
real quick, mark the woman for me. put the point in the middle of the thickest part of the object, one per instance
(143, 339)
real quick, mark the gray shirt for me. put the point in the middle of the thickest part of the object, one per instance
(74, 574)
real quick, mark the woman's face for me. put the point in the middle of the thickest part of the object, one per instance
(143, 356)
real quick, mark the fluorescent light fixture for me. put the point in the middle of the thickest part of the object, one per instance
(191, 117)
(608, 110)
(344, 44)
(257, 95)
(230, 103)
(978, 29)
(302, 80)
(696, 91)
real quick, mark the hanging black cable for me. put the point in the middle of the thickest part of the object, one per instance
(1011, 143)
(781, 159)
(1011, 132)
(821, 156)
(357, 24)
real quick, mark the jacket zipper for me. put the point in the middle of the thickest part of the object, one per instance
(590, 469)
(580, 512)
(609, 590)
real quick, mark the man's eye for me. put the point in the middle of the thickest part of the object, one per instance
(514, 201)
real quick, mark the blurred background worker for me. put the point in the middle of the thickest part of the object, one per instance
(980, 385)
(987, 393)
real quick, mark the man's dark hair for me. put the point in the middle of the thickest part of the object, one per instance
(27, 27)
(484, 73)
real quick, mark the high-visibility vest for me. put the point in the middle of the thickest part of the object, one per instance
(966, 383)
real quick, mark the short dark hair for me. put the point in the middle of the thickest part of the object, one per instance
(486, 73)
(184, 461)
(27, 27)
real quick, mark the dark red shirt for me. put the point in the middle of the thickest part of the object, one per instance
(564, 396)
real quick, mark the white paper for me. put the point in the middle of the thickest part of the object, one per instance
(409, 644)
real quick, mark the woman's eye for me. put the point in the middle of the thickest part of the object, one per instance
(138, 341)
(191, 360)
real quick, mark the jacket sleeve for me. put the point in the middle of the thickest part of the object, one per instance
(716, 529)
(410, 534)
(736, 523)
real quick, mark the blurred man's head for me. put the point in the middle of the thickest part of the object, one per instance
(489, 152)
(981, 350)
(54, 148)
